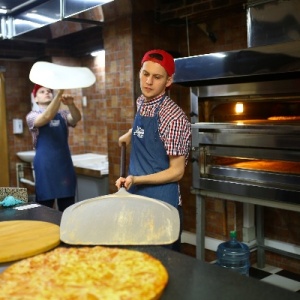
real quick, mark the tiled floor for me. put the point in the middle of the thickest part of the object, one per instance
(276, 276)
(270, 274)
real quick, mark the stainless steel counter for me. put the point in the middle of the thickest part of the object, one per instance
(189, 278)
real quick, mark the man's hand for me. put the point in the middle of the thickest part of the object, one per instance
(124, 182)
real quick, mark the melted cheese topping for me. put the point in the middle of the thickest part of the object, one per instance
(85, 273)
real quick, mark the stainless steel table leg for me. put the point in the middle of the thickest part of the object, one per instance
(200, 227)
(260, 236)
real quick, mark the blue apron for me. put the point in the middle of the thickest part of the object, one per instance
(54, 172)
(148, 156)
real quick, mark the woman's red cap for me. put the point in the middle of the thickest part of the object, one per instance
(35, 89)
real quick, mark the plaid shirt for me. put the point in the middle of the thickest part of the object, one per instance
(174, 126)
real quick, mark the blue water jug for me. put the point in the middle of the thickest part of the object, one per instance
(234, 255)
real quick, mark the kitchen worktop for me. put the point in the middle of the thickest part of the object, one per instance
(92, 175)
(189, 278)
(90, 164)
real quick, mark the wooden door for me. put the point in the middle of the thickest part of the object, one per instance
(4, 173)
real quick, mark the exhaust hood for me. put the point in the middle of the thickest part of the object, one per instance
(33, 14)
(272, 62)
(273, 53)
(37, 29)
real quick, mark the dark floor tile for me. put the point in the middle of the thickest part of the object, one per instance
(257, 273)
(289, 275)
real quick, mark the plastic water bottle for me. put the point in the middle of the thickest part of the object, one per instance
(234, 255)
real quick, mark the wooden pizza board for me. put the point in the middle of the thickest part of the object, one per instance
(21, 239)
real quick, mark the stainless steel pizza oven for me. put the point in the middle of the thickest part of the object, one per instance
(251, 155)
(254, 152)
(254, 159)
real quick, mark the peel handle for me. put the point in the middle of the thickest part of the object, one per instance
(123, 160)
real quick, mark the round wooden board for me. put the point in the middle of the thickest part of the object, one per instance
(21, 239)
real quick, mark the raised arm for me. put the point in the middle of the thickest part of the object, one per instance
(50, 111)
(74, 116)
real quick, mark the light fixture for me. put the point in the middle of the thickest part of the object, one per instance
(97, 53)
(239, 107)
(28, 23)
(38, 17)
(95, 1)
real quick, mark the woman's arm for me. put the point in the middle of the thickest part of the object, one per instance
(74, 116)
(51, 110)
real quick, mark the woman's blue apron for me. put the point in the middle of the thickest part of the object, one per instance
(54, 172)
(148, 156)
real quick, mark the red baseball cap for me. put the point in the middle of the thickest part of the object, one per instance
(36, 88)
(161, 57)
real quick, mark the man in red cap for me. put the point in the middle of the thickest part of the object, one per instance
(160, 137)
(55, 177)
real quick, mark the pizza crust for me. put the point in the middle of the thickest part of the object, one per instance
(284, 118)
(85, 273)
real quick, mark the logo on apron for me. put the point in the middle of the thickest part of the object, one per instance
(139, 132)
(54, 123)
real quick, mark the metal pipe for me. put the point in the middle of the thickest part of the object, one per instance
(27, 181)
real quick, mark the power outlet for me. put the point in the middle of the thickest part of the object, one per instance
(84, 101)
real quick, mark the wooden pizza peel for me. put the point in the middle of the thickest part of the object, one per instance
(21, 239)
(56, 76)
(120, 219)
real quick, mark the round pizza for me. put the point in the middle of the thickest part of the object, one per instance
(85, 273)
